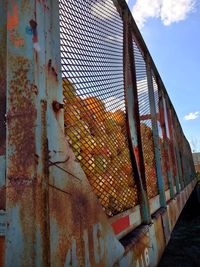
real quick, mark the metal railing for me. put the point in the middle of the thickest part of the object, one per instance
(130, 151)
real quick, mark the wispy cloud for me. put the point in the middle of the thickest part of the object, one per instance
(169, 11)
(192, 116)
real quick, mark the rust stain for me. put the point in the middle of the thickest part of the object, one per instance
(20, 182)
(2, 252)
(44, 3)
(2, 198)
(33, 25)
(21, 121)
(52, 70)
(57, 106)
(15, 39)
(159, 235)
(13, 19)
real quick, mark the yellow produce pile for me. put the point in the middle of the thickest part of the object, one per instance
(149, 160)
(98, 139)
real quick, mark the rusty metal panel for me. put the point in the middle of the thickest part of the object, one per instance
(145, 246)
(26, 195)
(3, 41)
(154, 204)
(159, 233)
(166, 226)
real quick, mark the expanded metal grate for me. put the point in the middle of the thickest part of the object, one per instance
(94, 102)
(145, 123)
(172, 163)
(163, 149)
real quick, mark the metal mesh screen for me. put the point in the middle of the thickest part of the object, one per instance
(168, 140)
(94, 102)
(173, 161)
(160, 121)
(145, 123)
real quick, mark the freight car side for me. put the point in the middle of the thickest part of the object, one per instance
(95, 168)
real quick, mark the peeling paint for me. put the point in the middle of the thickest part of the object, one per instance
(13, 18)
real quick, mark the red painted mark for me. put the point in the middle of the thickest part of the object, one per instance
(137, 156)
(13, 19)
(121, 224)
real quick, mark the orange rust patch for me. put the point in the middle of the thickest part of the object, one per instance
(52, 70)
(21, 121)
(15, 39)
(159, 236)
(13, 19)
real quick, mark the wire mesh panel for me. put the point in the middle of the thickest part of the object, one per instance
(172, 143)
(177, 137)
(161, 131)
(168, 138)
(145, 123)
(94, 100)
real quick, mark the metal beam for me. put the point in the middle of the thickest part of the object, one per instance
(154, 116)
(134, 118)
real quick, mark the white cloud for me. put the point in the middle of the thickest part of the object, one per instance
(192, 116)
(168, 11)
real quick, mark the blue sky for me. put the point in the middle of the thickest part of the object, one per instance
(171, 30)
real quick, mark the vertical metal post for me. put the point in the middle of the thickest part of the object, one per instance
(179, 167)
(30, 74)
(172, 149)
(178, 183)
(155, 135)
(133, 116)
(2, 128)
(166, 147)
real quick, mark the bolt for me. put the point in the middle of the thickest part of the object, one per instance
(57, 106)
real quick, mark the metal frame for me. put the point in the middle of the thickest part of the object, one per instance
(43, 188)
(133, 117)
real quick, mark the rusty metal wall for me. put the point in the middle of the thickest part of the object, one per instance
(80, 97)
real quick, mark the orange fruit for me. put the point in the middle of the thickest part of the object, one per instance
(87, 162)
(119, 117)
(101, 164)
(71, 114)
(88, 144)
(69, 91)
(110, 125)
(83, 128)
(97, 128)
(96, 106)
(76, 149)
(73, 134)
(127, 168)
